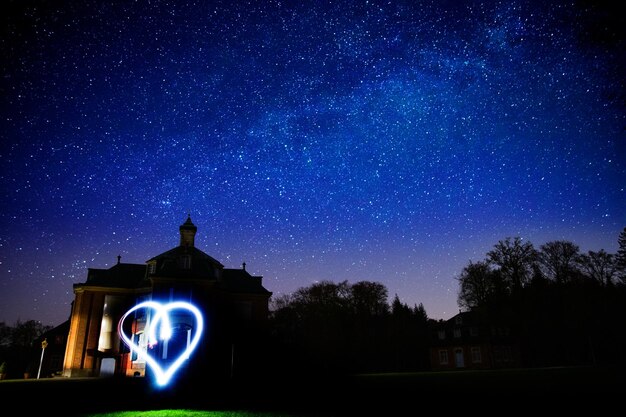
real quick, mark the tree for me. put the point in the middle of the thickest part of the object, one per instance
(325, 295)
(599, 266)
(478, 283)
(558, 260)
(25, 333)
(369, 298)
(5, 335)
(17, 343)
(420, 313)
(620, 257)
(515, 260)
(400, 309)
(342, 327)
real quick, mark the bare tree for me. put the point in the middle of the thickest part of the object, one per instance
(514, 260)
(620, 257)
(558, 260)
(600, 266)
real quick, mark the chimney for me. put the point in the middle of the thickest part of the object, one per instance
(187, 232)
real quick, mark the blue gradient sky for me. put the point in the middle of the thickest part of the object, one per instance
(358, 140)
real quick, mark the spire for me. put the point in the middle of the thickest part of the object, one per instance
(187, 232)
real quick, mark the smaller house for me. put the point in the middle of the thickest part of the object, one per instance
(471, 341)
(48, 361)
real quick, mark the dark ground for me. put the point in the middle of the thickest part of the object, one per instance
(559, 390)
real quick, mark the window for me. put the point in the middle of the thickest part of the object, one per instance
(458, 320)
(457, 332)
(441, 334)
(178, 342)
(473, 331)
(443, 357)
(476, 356)
(139, 340)
(152, 267)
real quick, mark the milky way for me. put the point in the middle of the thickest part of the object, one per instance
(358, 140)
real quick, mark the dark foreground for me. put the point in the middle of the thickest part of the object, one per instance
(487, 392)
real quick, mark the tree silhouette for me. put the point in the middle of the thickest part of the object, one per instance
(565, 308)
(558, 260)
(369, 298)
(599, 266)
(620, 257)
(514, 259)
(344, 328)
(478, 284)
(17, 345)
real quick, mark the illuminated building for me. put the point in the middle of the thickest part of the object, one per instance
(234, 306)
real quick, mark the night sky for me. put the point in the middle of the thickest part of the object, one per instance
(353, 140)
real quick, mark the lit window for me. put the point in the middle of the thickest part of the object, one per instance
(152, 267)
(443, 357)
(457, 332)
(441, 334)
(476, 356)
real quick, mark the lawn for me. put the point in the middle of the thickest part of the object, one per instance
(187, 413)
(381, 395)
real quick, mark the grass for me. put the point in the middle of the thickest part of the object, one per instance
(380, 395)
(187, 413)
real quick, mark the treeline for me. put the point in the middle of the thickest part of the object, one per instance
(346, 328)
(565, 307)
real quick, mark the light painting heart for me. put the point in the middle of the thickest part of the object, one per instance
(161, 319)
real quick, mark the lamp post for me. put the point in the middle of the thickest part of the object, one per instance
(43, 348)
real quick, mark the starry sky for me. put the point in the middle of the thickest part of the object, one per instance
(390, 141)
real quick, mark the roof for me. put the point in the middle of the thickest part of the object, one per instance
(184, 262)
(201, 265)
(120, 275)
(240, 281)
(195, 253)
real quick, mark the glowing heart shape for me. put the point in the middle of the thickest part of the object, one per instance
(162, 317)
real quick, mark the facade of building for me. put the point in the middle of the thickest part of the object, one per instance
(466, 341)
(233, 303)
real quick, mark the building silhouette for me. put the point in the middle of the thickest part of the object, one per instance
(470, 340)
(234, 305)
